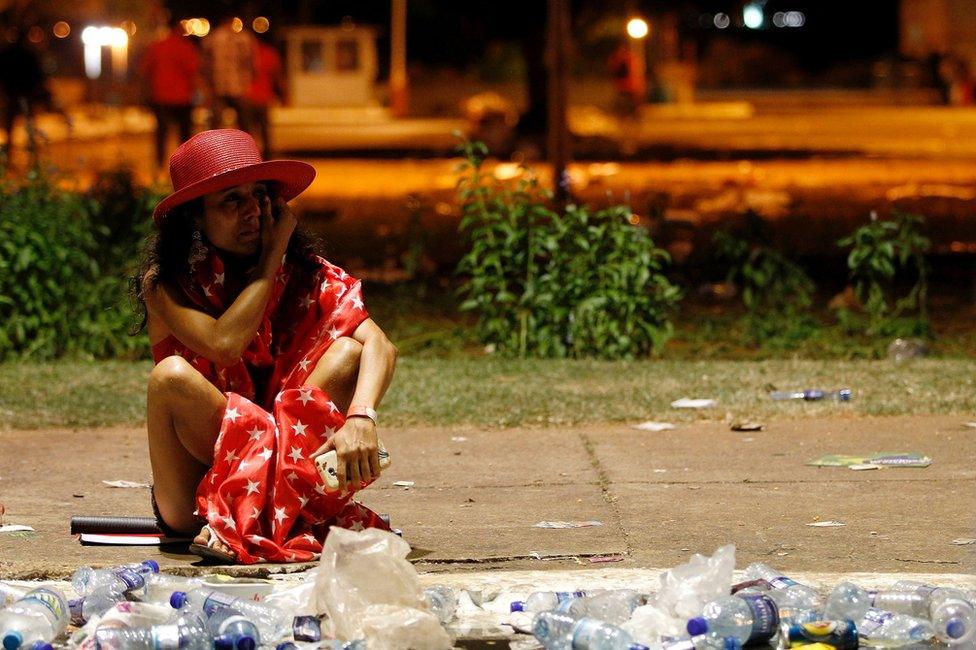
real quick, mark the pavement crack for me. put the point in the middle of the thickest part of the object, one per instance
(603, 480)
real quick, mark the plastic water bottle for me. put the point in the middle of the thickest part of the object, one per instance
(126, 578)
(797, 603)
(949, 610)
(615, 606)
(887, 629)
(840, 635)
(847, 602)
(748, 618)
(557, 631)
(442, 601)
(160, 586)
(271, 621)
(232, 630)
(41, 615)
(813, 395)
(544, 601)
(10, 593)
(324, 644)
(188, 632)
(701, 642)
(95, 603)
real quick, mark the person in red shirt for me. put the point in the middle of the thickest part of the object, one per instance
(170, 68)
(266, 86)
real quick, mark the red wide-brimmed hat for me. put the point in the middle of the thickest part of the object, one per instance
(221, 158)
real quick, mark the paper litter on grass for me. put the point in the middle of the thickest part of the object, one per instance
(826, 524)
(689, 403)
(650, 425)
(964, 541)
(403, 483)
(14, 528)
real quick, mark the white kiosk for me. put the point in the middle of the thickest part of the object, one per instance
(331, 66)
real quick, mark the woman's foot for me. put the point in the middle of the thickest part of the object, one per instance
(209, 545)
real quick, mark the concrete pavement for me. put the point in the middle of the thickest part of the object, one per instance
(478, 494)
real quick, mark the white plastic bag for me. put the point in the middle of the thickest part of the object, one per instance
(684, 591)
(371, 592)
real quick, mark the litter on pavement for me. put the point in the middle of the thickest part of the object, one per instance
(650, 425)
(567, 524)
(690, 403)
(881, 458)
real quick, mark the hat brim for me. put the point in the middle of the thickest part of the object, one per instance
(291, 176)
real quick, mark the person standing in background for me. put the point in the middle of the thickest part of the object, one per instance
(229, 60)
(267, 86)
(170, 68)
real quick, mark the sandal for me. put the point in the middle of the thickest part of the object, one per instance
(208, 552)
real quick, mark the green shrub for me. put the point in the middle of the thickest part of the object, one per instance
(63, 285)
(776, 292)
(884, 252)
(542, 283)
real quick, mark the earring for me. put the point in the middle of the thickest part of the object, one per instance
(198, 251)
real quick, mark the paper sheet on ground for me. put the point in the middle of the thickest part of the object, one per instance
(14, 528)
(881, 458)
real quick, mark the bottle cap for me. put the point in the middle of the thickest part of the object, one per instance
(845, 394)
(151, 564)
(12, 640)
(732, 643)
(177, 600)
(517, 606)
(956, 628)
(224, 642)
(697, 625)
(246, 642)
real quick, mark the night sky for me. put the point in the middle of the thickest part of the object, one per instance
(456, 34)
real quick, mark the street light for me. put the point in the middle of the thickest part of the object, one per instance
(637, 28)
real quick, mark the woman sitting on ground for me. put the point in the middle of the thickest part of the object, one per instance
(265, 359)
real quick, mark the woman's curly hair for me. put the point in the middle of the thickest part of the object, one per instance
(166, 252)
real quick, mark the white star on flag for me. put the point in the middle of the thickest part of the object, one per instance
(257, 539)
(302, 501)
(271, 418)
(357, 302)
(232, 414)
(310, 537)
(307, 301)
(252, 487)
(299, 428)
(230, 457)
(219, 278)
(212, 512)
(228, 521)
(255, 514)
(291, 557)
(296, 454)
(356, 526)
(280, 514)
(206, 290)
(265, 453)
(304, 363)
(333, 408)
(291, 476)
(343, 275)
(255, 433)
(305, 395)
(329, 432)
(243, 465)
(334, 333)
(320, 489)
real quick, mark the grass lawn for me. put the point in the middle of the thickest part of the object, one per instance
(503, 392)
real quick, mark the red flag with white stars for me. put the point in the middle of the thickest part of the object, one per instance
(263, 496)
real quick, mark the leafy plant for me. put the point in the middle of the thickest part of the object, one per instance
(576, 283)
(63, 289)
(776, 292)
(884, 251)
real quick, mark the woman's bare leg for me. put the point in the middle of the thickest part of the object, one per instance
(338, 371)
(183, 413)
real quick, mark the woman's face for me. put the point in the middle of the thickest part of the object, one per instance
(232, 217)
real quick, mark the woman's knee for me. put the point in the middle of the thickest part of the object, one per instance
(348, 351)
(173, 374)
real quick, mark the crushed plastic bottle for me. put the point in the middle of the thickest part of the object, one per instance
(231, 630)
(271, 621)
(9, 593)
(93, 604)
(890, 630)
(544, 601)
(797, 603)
(126, 578)
(442, 601)
(557, 631)
(614, 606)
(748, 618)
(188, 632)
(41, 615)
(160, 586)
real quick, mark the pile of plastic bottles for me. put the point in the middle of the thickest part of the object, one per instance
(767, 610)
(134, 607)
